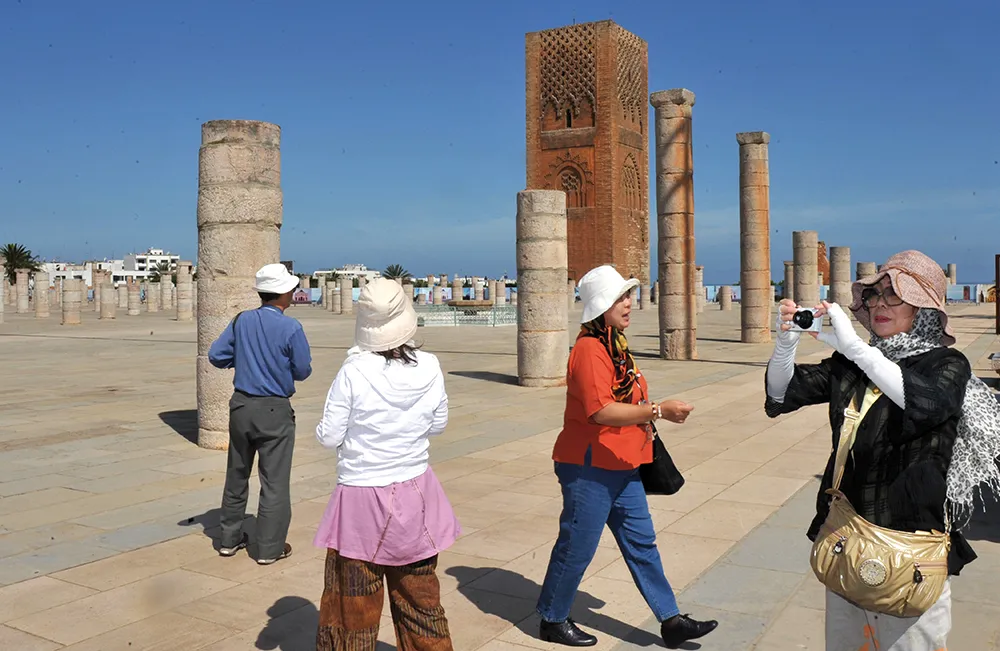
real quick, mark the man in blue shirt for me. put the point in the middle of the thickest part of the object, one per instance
(270, 353)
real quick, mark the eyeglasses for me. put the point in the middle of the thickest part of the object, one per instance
(871, 296)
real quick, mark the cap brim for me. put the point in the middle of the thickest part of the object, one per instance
(282, 287)
(588, 310)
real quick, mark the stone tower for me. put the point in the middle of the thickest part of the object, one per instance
(587, 135)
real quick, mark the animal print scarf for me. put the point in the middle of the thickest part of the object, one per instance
(616, 344)
(977, 448)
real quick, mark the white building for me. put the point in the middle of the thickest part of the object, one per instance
(135, 265)
(150, 260)
(351, 271)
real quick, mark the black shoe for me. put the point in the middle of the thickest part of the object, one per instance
(681, 628)
(565, 633)
(227, 552)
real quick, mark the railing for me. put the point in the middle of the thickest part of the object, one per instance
(430, 316)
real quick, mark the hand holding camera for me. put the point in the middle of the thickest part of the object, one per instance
(794, 320)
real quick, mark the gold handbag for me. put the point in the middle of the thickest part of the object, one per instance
(891, 572)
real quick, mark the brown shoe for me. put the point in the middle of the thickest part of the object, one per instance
(284, 554)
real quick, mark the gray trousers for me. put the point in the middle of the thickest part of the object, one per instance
(264, 426)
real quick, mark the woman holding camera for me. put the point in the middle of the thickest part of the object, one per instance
(916, 434)
(605, 438)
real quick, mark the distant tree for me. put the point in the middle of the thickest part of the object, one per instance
(161, 269)
(396, 272)
(15, 257)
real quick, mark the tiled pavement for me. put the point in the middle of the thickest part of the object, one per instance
(106, 506)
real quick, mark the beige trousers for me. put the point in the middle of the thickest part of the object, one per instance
(850, 628)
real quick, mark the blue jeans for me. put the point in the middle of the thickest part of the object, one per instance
(593, 497)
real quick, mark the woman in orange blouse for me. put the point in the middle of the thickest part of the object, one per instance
(606, 436)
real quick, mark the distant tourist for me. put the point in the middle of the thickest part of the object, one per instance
(270, 353)
(606, 436)
(915, 434)
(388, 518)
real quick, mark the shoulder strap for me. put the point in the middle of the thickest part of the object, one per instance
(852, 418)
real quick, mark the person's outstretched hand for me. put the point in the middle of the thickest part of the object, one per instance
(676, 411)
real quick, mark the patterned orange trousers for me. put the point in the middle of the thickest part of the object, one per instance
(353, 594)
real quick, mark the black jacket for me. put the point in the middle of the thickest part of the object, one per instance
(896, 473)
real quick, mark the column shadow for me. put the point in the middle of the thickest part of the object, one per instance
(182, 421)
(487, 376)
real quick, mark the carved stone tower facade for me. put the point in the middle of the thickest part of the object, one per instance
(588, 135)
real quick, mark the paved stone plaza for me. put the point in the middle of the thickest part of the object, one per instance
(107, 508)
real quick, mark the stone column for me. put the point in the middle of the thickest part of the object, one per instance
(501, 293)
(655, 293)
(513, 299)
(122, 291)
(678, 320)
(805, 252)
(789, 285)
(478, 288)
(21, 280)
(153, 294)
(952, 273)
(109, 300)
(8, 292)
(185, 292)
(457, 290)
(571, 292)
(438, 295)
(347, 296)
(73, 289)
(840, 276)
(333, 291)
(699, 287)
(57, 284)
(324, 295)
(725, 298)
(41, 295)
(239, 224)
(96, 278)
(408, 291)
(194, 296)
(865, 269)
(542, 270)
(644, 297)
(422, 298)
(755, 238)
(134, 297)
(303, 282)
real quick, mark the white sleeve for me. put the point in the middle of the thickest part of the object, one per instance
(332, 428)
(440, 421)
(882, 371)
(781, 366)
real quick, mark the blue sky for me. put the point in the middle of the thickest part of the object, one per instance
(403, 123)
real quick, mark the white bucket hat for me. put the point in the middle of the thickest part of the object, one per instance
(275, 279)
(386, 318)
(600, 288)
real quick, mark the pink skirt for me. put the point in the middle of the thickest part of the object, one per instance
(390, 525)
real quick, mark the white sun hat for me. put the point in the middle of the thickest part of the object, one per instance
(386, 318)
(275, 279)
(600, 288)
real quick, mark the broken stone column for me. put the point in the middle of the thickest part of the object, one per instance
(134, 297)
(73, 289)
(805, 254)
(840, 276)
(678, 304)
(699, 287)
(655, 293)
(21, 282)
(8, 291)
(789, 284)
(185, 292)
(408, 291)
(347, 296)
(725, 298)
(303, 282)
(952, 273)
(756, 292)
(41, 295)
(96, 278)
(542, 270)
(153, 294)
(109, 300)
(457, 289)
(324, 295)
(422, 298)
(122, 291)
(513, 299)
(194, 296)
(438, 295)
(239, 224)
(644, 297)
(500, 293)
(865, 269)
(333, 292)
(477, 285)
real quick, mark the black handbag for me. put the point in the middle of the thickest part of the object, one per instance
(661, 476)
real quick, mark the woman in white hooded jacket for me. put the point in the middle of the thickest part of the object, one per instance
(388, 517)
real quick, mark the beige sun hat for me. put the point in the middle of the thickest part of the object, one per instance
(386, 318)
(916, 279)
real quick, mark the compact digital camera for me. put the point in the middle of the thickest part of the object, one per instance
(805, 320)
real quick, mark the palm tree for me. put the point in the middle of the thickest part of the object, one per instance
(161, 269)
(396, 272)
(15, 257)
